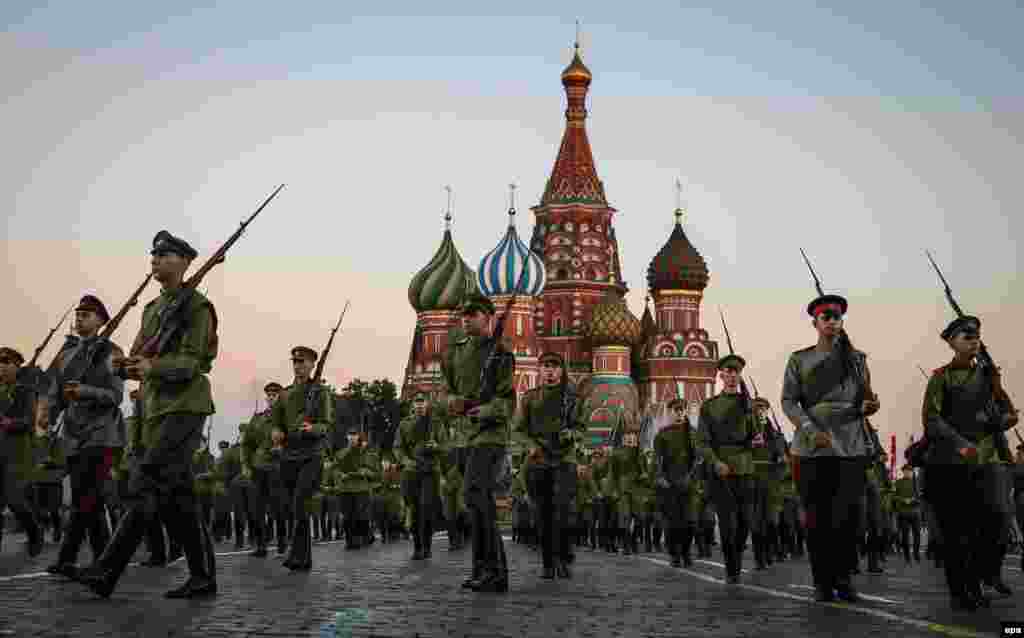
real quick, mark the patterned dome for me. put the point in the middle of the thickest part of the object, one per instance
(501, 268)
(612, 324)
(577, 72)
(678, 265)
(444, 282)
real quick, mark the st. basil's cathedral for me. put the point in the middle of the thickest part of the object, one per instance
(572, 296)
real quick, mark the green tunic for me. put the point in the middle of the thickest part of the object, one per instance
(256, 442)
(725, 432)
(538, 422)
(954, 416)
(460, 370)
(289, 416)
(355, 470)
(905, 499)
(411, 450)
(177, 381)
(16, 447)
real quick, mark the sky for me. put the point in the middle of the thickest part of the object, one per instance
(864, 134)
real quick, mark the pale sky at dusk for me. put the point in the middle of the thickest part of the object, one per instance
(864, 134)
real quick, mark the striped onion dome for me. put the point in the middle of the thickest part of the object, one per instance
(501, 268)
(443, 283)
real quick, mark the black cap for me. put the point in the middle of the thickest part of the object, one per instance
(304, 352)
(966, 324)
(93, 304)
(823, 302)
(475, 302)
(551, 356)
(732, 361)
(12, 354)
(273, 386)
(166, 242)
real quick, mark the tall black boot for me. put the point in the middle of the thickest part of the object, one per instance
(103, 575)
(301, 556)
(99, 534)
(259, 539)
(32, 529)
(239, 534)
(194, 538)
(68, 555)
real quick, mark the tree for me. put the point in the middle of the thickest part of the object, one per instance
(372, 407)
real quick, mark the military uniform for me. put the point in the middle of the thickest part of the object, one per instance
(17, 424)
(225, 471)
(676, 453)
(551, 475)
(907, 505)
(417, 451)
(301, 459)
(486, 436)
(725, 432)
(356, 470)
(177, 400)
(966, 492)
(629, 490)
(255, 458)
(586, 491)
(767, 447)
(822, 395)
(791, 531)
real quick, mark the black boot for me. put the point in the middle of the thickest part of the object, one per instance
(32, 529)
(685, 545)
(301, 556)
(259, 534)
(195, 540)
(239, 535)
(99, 534)
(103, 575)
(68, 555)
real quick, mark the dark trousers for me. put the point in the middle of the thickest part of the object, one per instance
(734, 504)
(301, 478)
(161, 489)
(910, 527)
(420, 491)
(250, 498)
(12, 495)
(355, 509)
(680, 519)
(483, 469)
(831, 489)
(553, 488)
(89, 471)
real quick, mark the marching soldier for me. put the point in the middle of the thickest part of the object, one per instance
(177, 398)
(827, 400)
(240, 490)
(767, 454)
(17, 423)
(301, 457)
(907, 504)
(676, 455)
(628, 472)
(225, 470)
(791, 531)
(585, 493)
(256, 467)
(726, 431)
(961, 481)
(92, 429)
(485, 430)
(416, 451)
(549, 419)
(355, 469)
(875, 480)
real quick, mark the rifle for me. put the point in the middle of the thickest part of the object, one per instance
(984, 359)
(853, 364)
(748, 405)
(172, 319)
(46, 341)
(774, 421)
(316, 386)
(79, 365)
(489, 371)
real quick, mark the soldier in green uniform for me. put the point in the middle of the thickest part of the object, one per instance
(240, 488)
(705, 518)
(47, 481)
(791, 534)
(604, 500)
(177, 401)
(331, 517)
(585, 493)
(89, 396)
(826, 395)
(416, 452)
(961, 481)
(481, 412)
(355, 469)
(227, 467)
(767, 447)
(676, 455)
(628, 482)
(279, 492)
(17, 422)
(726, 431)
(907, 504)
(301, 459)
(257, 468)
(202, 467)
(549, 419)
(390, 505)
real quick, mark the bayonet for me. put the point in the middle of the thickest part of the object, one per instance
(46, 341)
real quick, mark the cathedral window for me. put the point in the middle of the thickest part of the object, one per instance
(557, 327)
(519, 326)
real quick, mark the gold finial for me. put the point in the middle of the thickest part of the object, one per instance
(679, 201)
(448, 211)
(512, 198)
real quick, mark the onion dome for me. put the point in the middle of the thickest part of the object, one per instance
(612, 324)
(576, 72)
(678, 265)
(500, 270)
(445, 282)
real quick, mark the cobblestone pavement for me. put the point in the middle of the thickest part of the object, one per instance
(378, 591)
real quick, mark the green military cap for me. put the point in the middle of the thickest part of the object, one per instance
(676, 401)
(476, 302)
(93, 304)
(273, 386)
(553, 357)
(11, 355)
(967, 324)
(164, 242)
(823, 303)
(733, 361)
(304, 352)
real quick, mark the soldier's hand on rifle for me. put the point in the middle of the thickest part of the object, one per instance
(968, 452)
(457, 406)
(722, 469)
(136, 368)
(822, 439)
(870, 406)
(70, 391)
